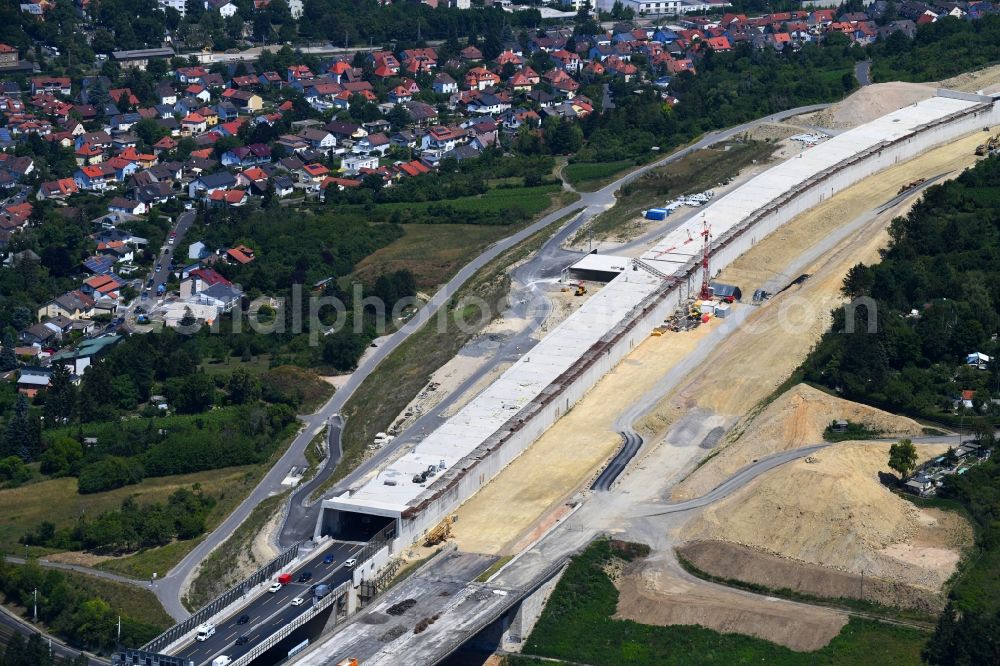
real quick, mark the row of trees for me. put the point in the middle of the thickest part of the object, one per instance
(132, 527)
(933, 299)
(84, 619)
(33, 651)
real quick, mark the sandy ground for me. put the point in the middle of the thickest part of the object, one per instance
(869, 103)
(569, 453)
(79, 558)
(652, 595)
(738, 376)
(795, 419)
(986, 80)
(847, 520)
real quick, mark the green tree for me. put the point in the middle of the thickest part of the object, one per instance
(13, 469)
(60, 398)
(985, 433)
(8, 359)
(62, 456)
(243, 387)
(903, 457)
(21, 435)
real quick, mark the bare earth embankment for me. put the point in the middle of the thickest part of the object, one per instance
(815, 525)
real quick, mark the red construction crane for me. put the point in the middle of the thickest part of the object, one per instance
(674, 247)
(706, 288)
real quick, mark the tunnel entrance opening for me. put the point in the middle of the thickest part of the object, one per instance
(353, 525)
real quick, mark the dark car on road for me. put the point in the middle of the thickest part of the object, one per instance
(243, 619)
(243, 640)
(305, 576)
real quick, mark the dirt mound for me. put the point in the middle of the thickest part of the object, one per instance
(869, 103)
(833, 511)
(736, 562)
(659, 596)
(985, 79)
(795, 419)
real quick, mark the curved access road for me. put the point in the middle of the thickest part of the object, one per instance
(741, 478)
(87, 571)
(170, 587)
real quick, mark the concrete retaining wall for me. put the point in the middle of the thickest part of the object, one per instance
(529, 424)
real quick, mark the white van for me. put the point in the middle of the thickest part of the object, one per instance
(205, 631)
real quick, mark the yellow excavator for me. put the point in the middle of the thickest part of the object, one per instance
(991, 146)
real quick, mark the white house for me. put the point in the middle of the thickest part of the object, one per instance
(979, 360)
(352, 164)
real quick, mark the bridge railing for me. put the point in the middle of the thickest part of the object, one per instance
(222, 601)
(319, 605)
(377, 542)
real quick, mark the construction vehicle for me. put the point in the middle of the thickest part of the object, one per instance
(909, 186)
(439, 533)
(991, 146)
(348, 662)
(580, 289)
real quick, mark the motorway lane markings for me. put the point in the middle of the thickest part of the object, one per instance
(230, 636)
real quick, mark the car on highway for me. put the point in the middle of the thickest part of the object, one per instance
(205, 631)
(298, 601)
(275, 587)
(243, 619)
(328, 559)
(243, 640)
(350, 563)
(305, 576)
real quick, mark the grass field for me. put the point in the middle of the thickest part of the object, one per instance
(532, 200)
(432, 252)
(577, 626)
(591, 176)
(57, 501)
(137, 603)
(699, 171)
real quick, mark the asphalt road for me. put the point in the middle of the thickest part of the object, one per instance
(97, 573)
(863, 72)
(155, 277)
(630, 446)
(741, 478)
(270, 611)
(10, 623)
(170, 587)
